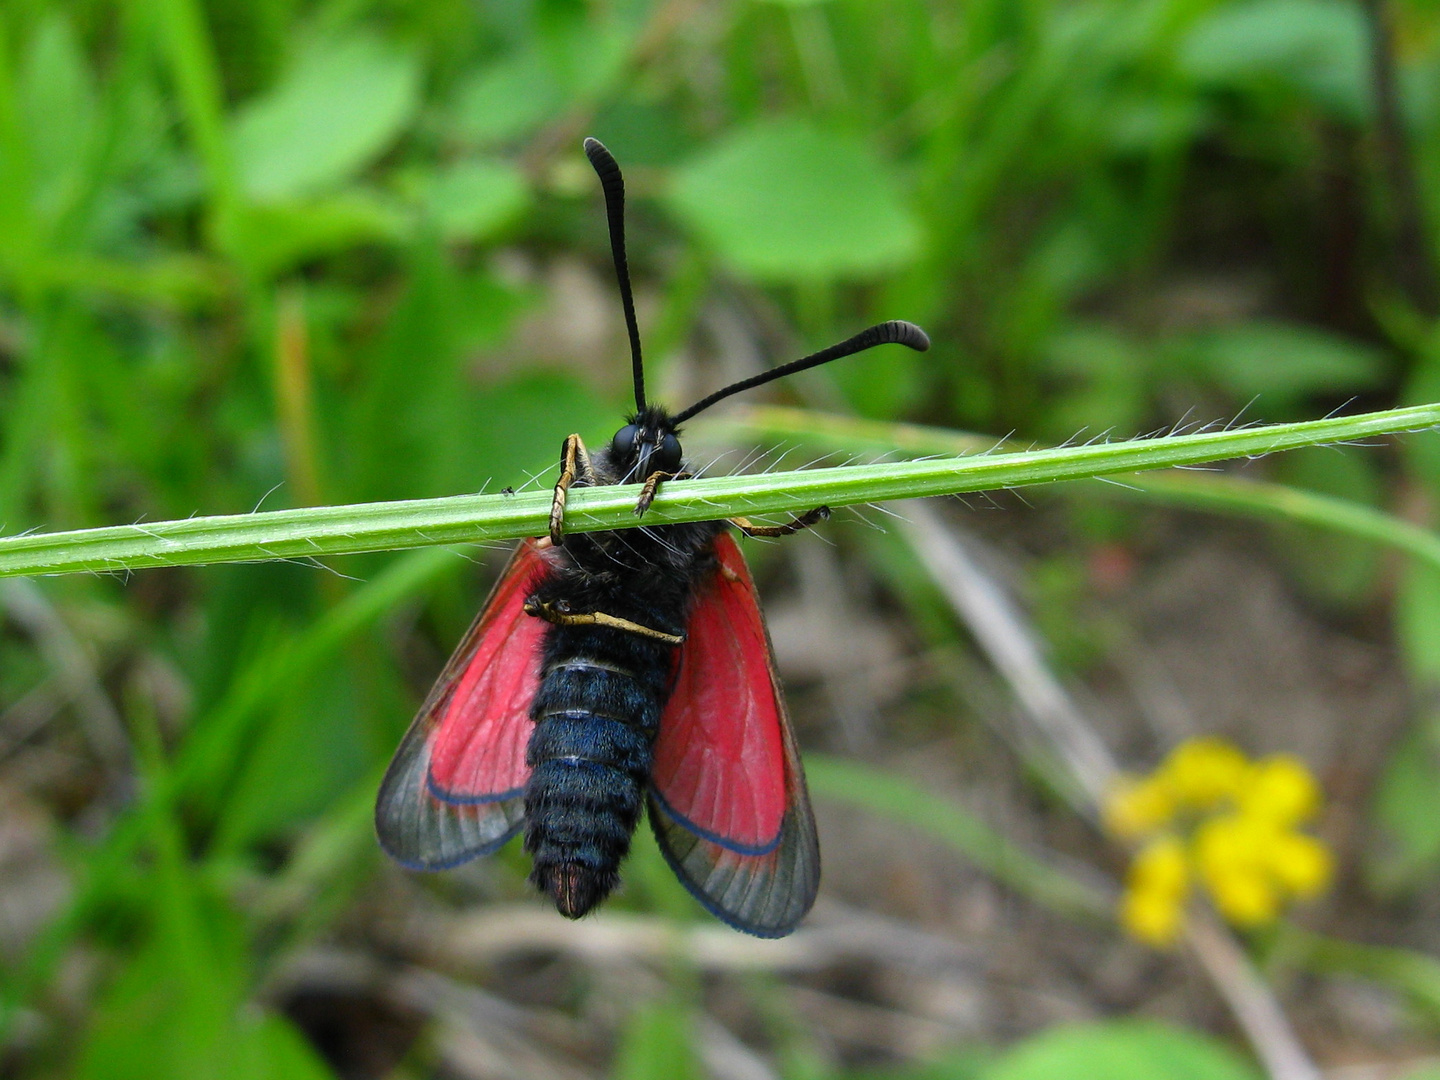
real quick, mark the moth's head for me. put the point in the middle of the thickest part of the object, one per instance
(647, 444)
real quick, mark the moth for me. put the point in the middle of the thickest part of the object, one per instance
(614, 672)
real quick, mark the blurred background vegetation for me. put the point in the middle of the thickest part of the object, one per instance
(296, 252)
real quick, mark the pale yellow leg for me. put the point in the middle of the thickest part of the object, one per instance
(574, 465)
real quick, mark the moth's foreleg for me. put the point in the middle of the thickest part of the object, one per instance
(652, 487)
(575, 467)
(794, 525)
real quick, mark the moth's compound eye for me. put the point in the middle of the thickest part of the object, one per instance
(666, 456)
(625, 443)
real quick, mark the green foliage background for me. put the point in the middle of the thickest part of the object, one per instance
(298, 252)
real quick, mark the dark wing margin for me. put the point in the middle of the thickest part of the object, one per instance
(456, 788)
(719, 729)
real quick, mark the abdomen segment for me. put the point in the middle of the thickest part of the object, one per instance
(590, 755)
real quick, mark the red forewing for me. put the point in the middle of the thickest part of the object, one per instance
(728, 801)
(456, 788)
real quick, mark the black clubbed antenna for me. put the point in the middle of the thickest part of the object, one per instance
(895, 332)
(613, 185)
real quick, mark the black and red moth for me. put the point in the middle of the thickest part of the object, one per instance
(611, 670)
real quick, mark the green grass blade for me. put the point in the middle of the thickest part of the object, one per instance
(337, 530)
(1214, 492)
(191, 57)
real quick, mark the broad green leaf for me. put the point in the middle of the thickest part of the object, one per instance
(1319, 48)
(470, 200)
(344, 102)
(1121, 1050)
(784, 201)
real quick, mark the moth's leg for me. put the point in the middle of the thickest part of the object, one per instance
(559, 614)
(794, 525)
(574, 467)
(652, 486)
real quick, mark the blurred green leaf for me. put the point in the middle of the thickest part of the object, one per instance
(149, 1025)
(300, 758)
(512, 97)
(643, 133)
(1415, 974)
(506, 100)
(341, 105)
(651, 885)
(333, 857)
(1147, 123)
(961, 1065)
(58, 98)
(1319, 48)
(656, 1044)
(1336, 568)
(900, 800)
(1418, 621)
(1121, 1050)
(783, 201)
(1282, 362)
(471, 199)
(180, 1007)
(1406, 810)
(1104, 382)
(279, 235)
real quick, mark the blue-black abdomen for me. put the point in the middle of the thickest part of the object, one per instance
(602, 690)
(597, 714)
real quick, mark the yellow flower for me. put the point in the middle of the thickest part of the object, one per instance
(1202, 773)
(1137, 808)
(1244, 896)
(1222, 843)
(1152, 917)
(1161, 868)
(1227, 823)
(1281, 789)
(1302, 864)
